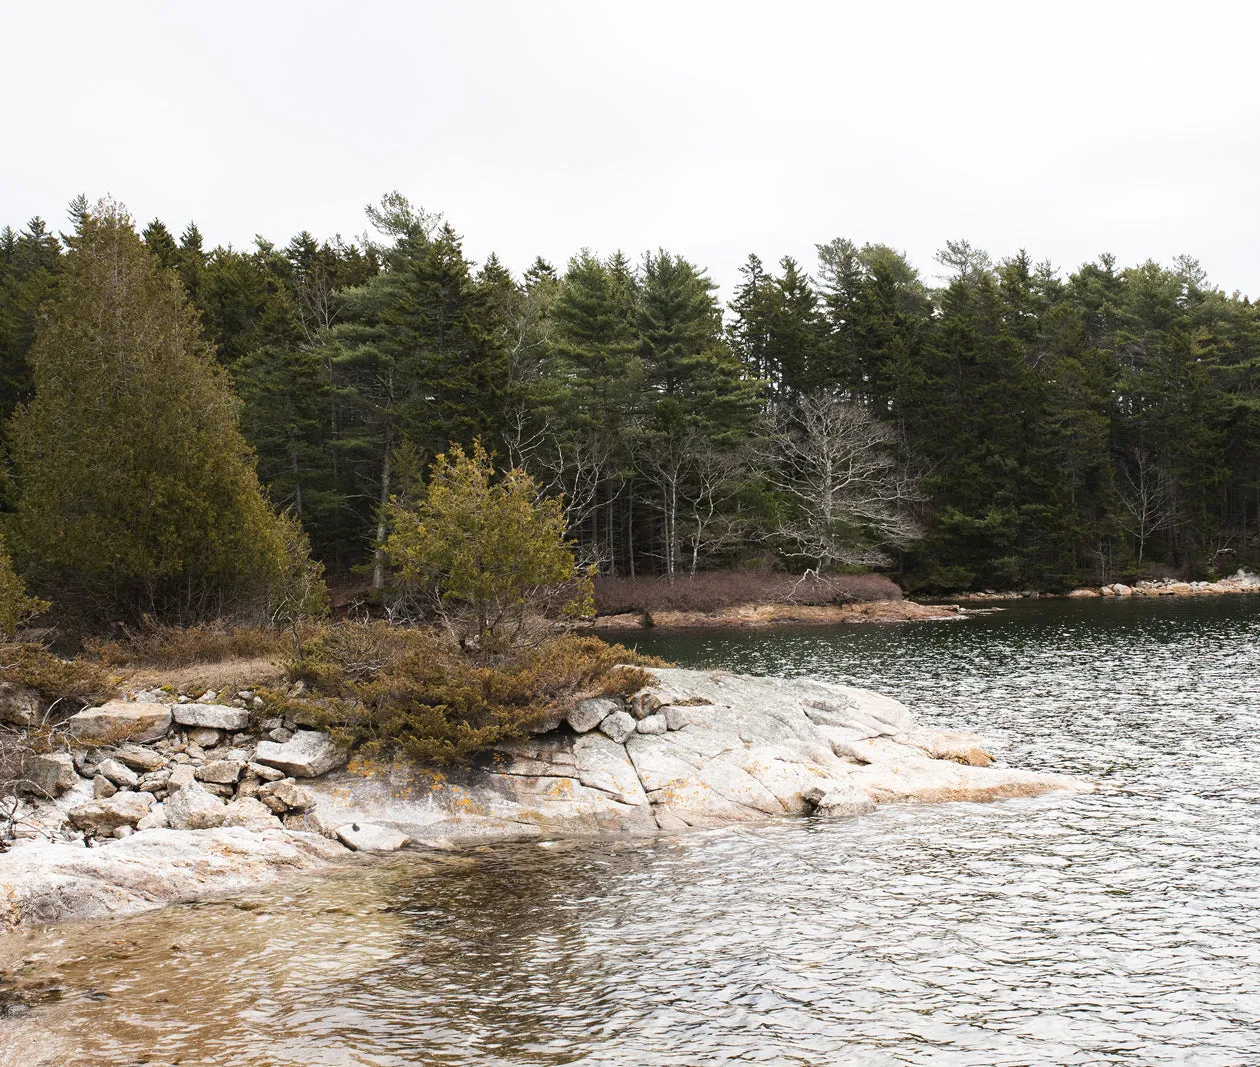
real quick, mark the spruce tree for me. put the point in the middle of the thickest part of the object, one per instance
(161, 244)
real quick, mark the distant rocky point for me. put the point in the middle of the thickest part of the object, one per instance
(1240, 582)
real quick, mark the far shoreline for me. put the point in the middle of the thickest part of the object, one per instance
(888, 611)
(765, 615)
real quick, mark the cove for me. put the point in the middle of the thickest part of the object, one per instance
(1116, 927)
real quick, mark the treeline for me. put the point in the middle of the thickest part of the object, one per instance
(1007, 427)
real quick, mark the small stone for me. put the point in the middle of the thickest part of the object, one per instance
(246, 694)
(280, 734)
(216, 716)
(257, 703)
(619, 725)
(139, 758)
(106, 815)
(193, 808)
(367, 837)
(588, 714)
(267, 774)
(208, 697)
(271, 724)
(195, 751)
(102, 787)
(155, 820)
(122, 776)
(181, 775)
(51, 775)
(123, 831)
(204, 736)
(219, 790)
(309, 753)
(652, 724)
(221, 771)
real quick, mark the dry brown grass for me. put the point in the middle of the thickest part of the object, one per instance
(225, 676)
(181, 646)
(712, 591)
(218, 656)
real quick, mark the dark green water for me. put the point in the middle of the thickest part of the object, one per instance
(1119, 927)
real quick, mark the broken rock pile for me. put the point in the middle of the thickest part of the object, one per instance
(148, 763)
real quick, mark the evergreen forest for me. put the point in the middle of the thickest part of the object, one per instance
(992, 423)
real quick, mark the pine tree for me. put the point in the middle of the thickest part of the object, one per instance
(750, 330)
(415, 358)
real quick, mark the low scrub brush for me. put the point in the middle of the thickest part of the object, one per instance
(395, 689)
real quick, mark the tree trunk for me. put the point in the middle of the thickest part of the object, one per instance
(630, 530)
(378, 563)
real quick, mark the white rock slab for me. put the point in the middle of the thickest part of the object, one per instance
(307, 754)
(211, 716)
(367, 837)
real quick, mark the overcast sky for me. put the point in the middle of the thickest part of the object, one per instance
(712, 128)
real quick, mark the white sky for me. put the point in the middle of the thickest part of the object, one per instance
(712, 128)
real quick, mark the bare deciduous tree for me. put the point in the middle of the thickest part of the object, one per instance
(849, 493)
(1146, 503)
(711, 522)
(696, 481)
(574, 468)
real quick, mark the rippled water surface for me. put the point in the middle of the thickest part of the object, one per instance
(1121, 927)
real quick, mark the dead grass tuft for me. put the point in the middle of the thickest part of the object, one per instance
(181, 646)
(223, 676)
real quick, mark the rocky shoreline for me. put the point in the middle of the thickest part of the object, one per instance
(152, 803)
(1241, 582)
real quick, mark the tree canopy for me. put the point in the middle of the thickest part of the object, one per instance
(1089, 425)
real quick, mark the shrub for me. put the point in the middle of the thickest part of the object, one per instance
(395, 689)
(74, 683)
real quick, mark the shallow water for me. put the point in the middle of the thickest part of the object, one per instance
(1121, 927)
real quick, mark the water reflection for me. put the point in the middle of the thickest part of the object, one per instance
(1117, 928)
